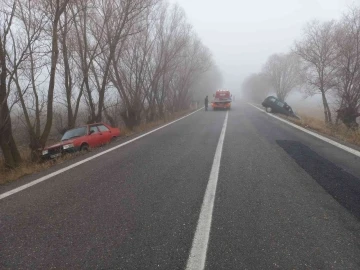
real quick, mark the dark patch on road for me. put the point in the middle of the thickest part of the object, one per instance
(341, 185)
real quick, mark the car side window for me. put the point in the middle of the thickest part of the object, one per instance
(94, 129)
(272, 99)
(103, 128)
(280, 103)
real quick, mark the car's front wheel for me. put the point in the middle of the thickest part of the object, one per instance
(84, 147)
(268, 109)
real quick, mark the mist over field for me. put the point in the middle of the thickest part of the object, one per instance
(243, 34)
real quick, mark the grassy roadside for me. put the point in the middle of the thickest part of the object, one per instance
(339, 131)
(148, 126)
(28, 167)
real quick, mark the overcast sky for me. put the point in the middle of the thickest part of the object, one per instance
(242, 33)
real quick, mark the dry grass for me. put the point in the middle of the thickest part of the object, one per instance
(28, 167)
(148, 126)
(339, 131)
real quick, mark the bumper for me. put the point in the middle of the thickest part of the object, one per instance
(59, 153)
(221, 106)
(51, 156)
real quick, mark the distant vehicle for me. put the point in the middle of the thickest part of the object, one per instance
(222, 100)
(274, 105)
(81, 139)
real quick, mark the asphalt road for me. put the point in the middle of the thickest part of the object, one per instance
(284, 200)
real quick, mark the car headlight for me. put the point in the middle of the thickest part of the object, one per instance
(67, 146)
(45, 152)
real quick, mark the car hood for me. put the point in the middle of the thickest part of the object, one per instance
(58, 144)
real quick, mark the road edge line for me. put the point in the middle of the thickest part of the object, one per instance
(332, 142)
(197, 257)
(48, 176)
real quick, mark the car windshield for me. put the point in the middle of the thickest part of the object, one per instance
(73, 133)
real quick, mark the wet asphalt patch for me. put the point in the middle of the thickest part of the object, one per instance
(341, 185)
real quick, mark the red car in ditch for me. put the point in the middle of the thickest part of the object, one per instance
(81, 139)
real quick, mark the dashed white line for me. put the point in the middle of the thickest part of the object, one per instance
(197, 258)
(47, 177)
(339, 145)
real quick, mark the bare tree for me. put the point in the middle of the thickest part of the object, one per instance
(129, 75)
(40, 21)
(130, 60)
(28, 62)
(87, 26)
(256, 87)
(317, 49)
(120, 19)
(56, 9)
(7, 143)
(196, 60)
(173, 36)
(206, 84)
(71, 71)
(283, 72)
(347, 67)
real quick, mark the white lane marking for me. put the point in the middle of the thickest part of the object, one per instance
(339, 145)
(197, 258)
(46, 177)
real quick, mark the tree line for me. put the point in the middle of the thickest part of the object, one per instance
(324, 61)
(133, 59)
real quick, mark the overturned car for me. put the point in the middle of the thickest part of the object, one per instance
(274, 105)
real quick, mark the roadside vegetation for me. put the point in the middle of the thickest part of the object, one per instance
(28, 166)
(324, 62)
(63, 63)
(339, 132)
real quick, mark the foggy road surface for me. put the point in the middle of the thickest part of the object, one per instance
(220, 190)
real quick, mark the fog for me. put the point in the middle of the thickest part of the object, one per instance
(241, 34)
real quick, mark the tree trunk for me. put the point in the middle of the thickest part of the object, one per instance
(67, 75)
(327, 111)
(109, 118)
(348, 117)
(54, 60)
(8, 146)
(131, 118)
(7, 143)
(50, 99)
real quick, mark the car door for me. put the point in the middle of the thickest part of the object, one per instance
(95, 137)
(280, 107)
(269, 102)
(105, 133)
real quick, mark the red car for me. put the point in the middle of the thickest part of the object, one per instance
(82, 138)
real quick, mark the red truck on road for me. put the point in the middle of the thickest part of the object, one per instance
(222, 100)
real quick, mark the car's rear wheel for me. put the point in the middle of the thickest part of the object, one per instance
(268, 109)
(84, 148)
(113, 139)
